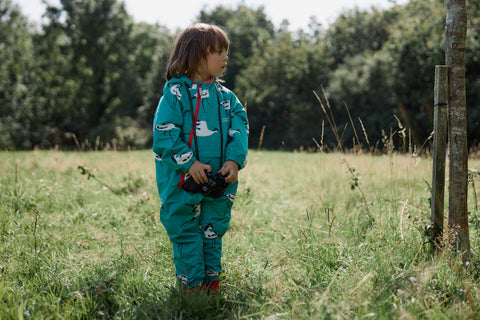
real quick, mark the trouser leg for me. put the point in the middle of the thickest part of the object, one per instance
(214, 222)
(182, 224)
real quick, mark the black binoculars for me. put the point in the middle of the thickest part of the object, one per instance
(214, 187)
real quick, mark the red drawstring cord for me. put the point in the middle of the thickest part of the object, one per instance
(194, 124)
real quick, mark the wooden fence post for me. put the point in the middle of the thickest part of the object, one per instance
(439, 147)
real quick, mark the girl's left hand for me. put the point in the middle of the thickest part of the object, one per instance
(230, 170)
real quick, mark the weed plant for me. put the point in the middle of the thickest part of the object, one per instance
(313, 236)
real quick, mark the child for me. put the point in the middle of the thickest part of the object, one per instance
(200, 128)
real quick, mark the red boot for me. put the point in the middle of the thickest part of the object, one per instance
(213, 288)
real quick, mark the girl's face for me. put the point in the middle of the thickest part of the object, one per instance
(213, 66)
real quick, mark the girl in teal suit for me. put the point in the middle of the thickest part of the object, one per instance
(200, 128)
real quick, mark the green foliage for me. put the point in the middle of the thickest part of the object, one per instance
(98, 38)
(473, 70)
(361, 85)
(396, 78)
(417, 41)
(96, 76)
(90, 77)
(152, 46)
(278, 90)
(16, 73)
(247, 29)
(357, 32)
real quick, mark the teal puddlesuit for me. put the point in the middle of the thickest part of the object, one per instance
(195, 224)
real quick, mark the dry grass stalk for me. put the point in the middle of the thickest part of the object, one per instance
(330, 117)
(364, 131)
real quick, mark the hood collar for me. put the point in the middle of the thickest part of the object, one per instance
(183, 79)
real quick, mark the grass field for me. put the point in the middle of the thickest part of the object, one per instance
(313, 236)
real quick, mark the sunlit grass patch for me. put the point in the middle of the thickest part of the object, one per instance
(313, 235)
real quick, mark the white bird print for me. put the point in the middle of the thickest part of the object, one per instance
(225, 104)
(223, 89)
(209, 232)
(203, 93)
(231, 132)
(211, 273)
(197, 209)
(165, 127)
(175, 90)
(202, 129)
(183, 279)
(182, 158)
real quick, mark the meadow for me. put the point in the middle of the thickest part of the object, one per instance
(312, 236)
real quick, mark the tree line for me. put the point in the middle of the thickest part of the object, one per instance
(90, 77)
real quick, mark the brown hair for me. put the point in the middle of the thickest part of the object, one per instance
(193, 45)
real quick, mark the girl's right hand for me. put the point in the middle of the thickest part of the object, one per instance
(197, 171)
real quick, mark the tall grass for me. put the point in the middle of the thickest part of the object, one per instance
(313, 236)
